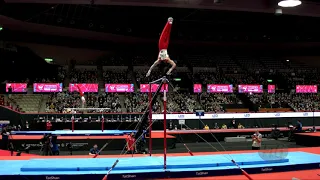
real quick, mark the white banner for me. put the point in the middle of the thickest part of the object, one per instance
(239, 115)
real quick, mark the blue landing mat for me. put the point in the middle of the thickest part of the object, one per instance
(143, 163)
(76, 132)
(151, 167)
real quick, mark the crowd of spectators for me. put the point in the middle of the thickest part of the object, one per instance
(116, 77)
(304, 102)
(237, 72)
(265, 100)
(2, 100)
(138, 102)
(142, 79)
(83, 76)
(59, 102)
(214, 102)
(58, 79)
(176, 102)
(105, 100)
(182, 102)
(9, 103)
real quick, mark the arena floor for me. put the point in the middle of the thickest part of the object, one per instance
(198, 147)
(302, 175)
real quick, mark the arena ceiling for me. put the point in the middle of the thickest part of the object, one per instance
(195, 20)
(309, 8)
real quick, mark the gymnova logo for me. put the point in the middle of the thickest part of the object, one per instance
(201, 173)
(52, 177)
(215, 115)
(180, 116)
(266, 169)
(128, 176)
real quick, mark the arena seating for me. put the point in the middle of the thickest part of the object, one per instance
(27, 102)
(105, 100)
(304, 102)
(227, 68)
(58, 101)
(277, 100)
(142, 79)
(83, 76)
(182, 102)
(137, 102)
(214, 102)
(116, 77)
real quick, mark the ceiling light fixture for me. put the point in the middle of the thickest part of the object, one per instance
(289, 3)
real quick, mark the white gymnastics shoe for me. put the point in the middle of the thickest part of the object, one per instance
(170, 20)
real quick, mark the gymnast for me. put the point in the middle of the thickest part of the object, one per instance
(81, 95)
(163, 46)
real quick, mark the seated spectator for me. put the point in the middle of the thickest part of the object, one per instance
(138, 102)
(105, 100)
(58, 102)
(2, 100)
(94, 150)
(240, 126)
(278, 100)
(214, 102)
(305, 102)
(182, 102)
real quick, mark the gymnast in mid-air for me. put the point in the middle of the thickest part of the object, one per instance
(163, 48)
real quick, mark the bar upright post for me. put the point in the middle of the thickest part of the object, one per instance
(165, 123)
(150, 119)
(102, 123)
(72, 123)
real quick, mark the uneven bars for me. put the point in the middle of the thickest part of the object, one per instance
(145, 114)
(150, 119)
(165, 123)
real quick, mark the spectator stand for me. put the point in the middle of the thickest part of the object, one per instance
(117, 74)
(84, 74)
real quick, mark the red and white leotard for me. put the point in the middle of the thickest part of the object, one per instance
(164, 41)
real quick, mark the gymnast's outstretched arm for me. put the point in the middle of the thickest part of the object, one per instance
(173, 66)
(153, 65)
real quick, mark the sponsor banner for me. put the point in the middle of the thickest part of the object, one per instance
(47, 87)
(220, 88)
(145, 87)
(238, 115)
(84, 87)
(16, 87)
(271, 88)
(197, 88)
(119, 88)
(250, 88)
(306, 89)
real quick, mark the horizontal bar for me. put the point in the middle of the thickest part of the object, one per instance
(87, 109)
(158, 80)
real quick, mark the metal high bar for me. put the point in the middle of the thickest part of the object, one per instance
(87, 109)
